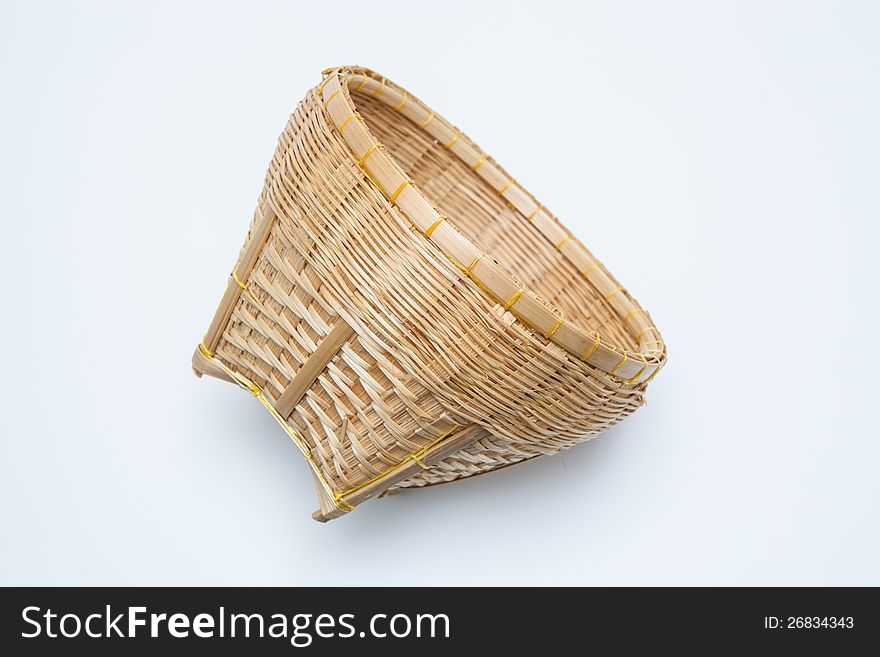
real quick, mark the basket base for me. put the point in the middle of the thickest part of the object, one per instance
(461, 439)
(201, 366)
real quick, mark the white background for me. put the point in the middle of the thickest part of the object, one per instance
(722, 160)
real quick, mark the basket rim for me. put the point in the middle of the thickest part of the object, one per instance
(629, 367)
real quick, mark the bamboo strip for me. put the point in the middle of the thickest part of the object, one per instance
(202, 365)
(463, 438)
(242, 270)
(305, 377)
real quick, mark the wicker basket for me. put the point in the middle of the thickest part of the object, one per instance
(408, 313)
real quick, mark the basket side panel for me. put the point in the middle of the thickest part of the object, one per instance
(363, 413)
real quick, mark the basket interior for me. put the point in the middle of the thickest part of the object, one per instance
(484, 216)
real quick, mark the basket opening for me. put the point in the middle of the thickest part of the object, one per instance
(484, 216)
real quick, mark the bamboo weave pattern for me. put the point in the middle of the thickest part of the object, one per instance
(480, 332)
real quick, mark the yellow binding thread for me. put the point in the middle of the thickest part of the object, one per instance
(399, 189)
(324, 84)
(469, 269)
(506, 186)
(640, 372)
(362, 161)
(564, 240)
(433, 226)
(592, 349)
(478, 163)
(513, 299)
(454, 139)
(645, 330)
(608, 296)
(620, 364)
(207, 353)
(347, 119)
(532, 216)
(632, 314)
(362, 82)
(400, 105)
(410, 457)
(332, 96)
(235, 277)
(555, 326)
(379, 89)
(426, 122)
(589, 270)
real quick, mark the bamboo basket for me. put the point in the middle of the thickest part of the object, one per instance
(411, 315)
